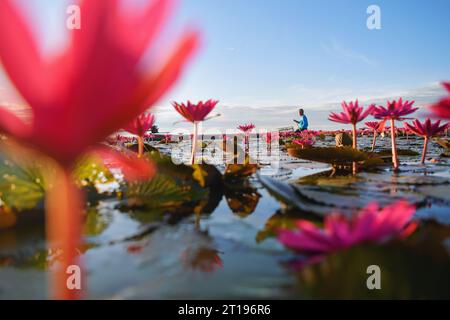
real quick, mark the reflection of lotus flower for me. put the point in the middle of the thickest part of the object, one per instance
(203, 259)
(195, 113)
(377, 127)
(139, 127)
(395, 110)
(352, 114)
(426, 130)
(93, 88)
(371, 224)
(442, 108)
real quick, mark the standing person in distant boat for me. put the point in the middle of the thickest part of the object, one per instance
(303, 122)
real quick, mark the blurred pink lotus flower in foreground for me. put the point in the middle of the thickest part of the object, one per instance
(377, 127)
(195, 113)
(139, 127)
(395, 110)
(79, 97)
(442, 108)
(352, 114)
(371, 224)
(426, 130)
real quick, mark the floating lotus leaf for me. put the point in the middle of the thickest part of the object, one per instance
(325, 198)
(409, 179)
(351, 199)
(332, 155)
(400, 152)
(322, 179)
(162, 191)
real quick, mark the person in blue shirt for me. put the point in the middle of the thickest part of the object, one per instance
(303, 122)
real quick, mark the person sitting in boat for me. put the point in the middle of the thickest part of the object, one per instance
(303, 122)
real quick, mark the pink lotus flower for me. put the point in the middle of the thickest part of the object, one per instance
(195, 113)
(304, 142)
(352, 114)
(395, 110)
(79, 97)
(371, 224)
(270, 136)
(246, 128)
(442, 108)
(377, 127)
(139, 127)
(426, 130)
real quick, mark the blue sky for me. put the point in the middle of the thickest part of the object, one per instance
(262, 58)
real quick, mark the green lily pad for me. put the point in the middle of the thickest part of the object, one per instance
(21, 187)
(162, 191)
(409, 179)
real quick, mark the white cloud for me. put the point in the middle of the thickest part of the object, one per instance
(335, 49)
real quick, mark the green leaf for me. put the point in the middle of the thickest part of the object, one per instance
(162, 191)
(21, 187)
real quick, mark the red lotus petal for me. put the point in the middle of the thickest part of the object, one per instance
(13, 125)
(19, 55)
(132, 167)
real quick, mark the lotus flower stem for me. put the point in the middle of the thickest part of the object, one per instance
(354, 132)
(394, 145)
(355, 146)
(140, 146)
(425, 148)
(194, 142)
(63, 225)
(375, 134)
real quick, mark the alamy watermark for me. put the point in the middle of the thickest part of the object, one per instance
(221, 147)
(374, 20)
(374, 280)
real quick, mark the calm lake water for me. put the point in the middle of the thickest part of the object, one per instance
(232, 252)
